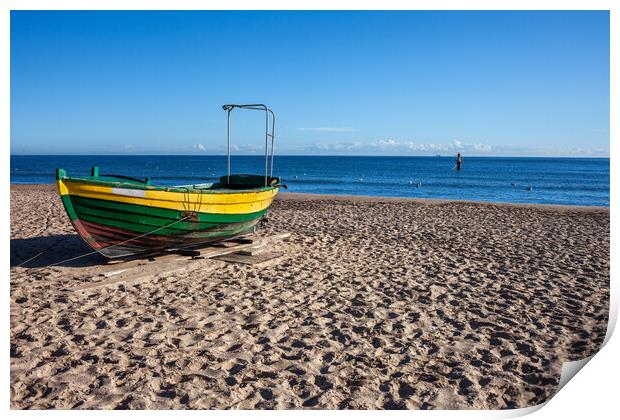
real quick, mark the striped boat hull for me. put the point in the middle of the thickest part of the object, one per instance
(120, 222)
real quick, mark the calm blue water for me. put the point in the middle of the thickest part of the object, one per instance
(552, 180)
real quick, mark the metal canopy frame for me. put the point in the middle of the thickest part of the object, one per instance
(256, 107)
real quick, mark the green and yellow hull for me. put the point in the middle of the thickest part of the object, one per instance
(120, 217)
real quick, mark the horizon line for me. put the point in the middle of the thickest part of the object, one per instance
(314, 155)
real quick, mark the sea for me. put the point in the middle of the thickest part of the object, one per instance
(565, 181)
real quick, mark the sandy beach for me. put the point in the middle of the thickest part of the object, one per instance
(375, 303)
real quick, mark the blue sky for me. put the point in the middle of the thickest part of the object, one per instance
(370, 83)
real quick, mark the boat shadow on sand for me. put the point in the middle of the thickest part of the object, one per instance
(42, 251)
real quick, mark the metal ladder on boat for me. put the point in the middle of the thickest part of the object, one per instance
(268, 134)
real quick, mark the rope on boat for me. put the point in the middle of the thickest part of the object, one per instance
(187, 201)
(109, 246)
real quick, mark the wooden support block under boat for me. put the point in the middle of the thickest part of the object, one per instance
(239, 258)
(242, 240)
(252, 251)
(184, 252)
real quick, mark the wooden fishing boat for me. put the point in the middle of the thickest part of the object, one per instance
(119, 216)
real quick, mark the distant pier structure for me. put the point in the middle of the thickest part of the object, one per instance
(459, 161)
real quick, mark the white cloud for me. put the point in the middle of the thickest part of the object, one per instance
(252, 148)
(387, 143)
(391, 146)
(480, 147)
(335, 147)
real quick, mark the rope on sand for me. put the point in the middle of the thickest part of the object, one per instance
(35, 256)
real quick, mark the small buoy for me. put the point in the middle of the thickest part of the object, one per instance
(513, 184)
(529, 188)
(294, 176)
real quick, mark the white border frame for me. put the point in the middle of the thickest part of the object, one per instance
(591, 394)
